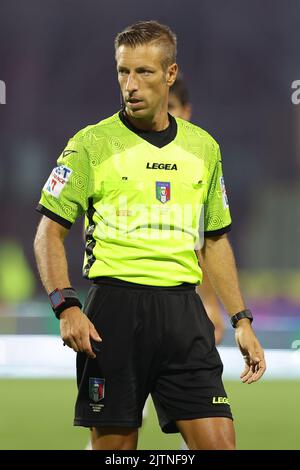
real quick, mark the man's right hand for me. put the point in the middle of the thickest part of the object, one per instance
(76, 330)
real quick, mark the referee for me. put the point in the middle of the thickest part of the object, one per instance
(147, 183)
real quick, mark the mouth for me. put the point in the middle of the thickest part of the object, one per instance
(133, 101)
(134, 104)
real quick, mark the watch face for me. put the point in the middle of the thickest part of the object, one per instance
(56, 298)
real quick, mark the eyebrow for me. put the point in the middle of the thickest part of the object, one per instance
(140, 68)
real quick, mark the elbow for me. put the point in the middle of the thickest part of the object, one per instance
(41, 236)
(37, 242)
(49, 233)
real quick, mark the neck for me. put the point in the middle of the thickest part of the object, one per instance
(156, 123)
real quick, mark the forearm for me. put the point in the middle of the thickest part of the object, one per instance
(211, 305)
(220, 265)
(208, 295)
(50, 256)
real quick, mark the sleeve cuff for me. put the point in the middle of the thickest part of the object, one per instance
(51, 215)
(218, 232)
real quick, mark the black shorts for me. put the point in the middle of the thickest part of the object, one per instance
(156, 340)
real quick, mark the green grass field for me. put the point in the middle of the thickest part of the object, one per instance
(38, 414)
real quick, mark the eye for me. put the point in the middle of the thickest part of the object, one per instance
(144, 72)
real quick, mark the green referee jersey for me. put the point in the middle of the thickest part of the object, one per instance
(146, 207)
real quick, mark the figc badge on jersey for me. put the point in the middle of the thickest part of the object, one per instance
(163, 190)
(96, 389)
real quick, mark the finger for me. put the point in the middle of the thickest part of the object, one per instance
(258, 366)
(248, 375)
(94, 333)
(260, 370)
(256, 373)
(249, 381)
(247, 366)
(71, 344)
(253, 378)
(86, 346)
(246, 379)
(245, 371)
(76, 338)
(250, 363)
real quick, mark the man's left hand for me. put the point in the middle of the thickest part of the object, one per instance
(255, 364)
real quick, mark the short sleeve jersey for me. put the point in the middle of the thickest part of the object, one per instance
(146, 207)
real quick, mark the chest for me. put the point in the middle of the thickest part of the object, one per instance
(147, 174)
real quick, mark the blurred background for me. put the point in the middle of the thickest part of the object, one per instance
(239, 60)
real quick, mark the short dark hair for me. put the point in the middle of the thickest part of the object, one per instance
(144, 32)
(180, 90)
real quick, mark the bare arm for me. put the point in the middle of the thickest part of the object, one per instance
(76, 329)
(211, 305)
(219, 262)
(50, 254)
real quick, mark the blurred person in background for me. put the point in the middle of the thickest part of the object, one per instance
(157, 337)
(17, 282)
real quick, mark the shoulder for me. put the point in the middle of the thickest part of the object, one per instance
(93, 143)
(98, 142)
(195, 133)
(93, 132)
(198, 142)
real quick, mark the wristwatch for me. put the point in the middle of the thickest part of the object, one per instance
(61, 299)
(239, 316)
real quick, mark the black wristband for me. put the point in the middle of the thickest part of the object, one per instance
(69, 302)
(61, 299)
(239, 316)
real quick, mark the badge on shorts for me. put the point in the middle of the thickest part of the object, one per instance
(96, 389)
(163, 190)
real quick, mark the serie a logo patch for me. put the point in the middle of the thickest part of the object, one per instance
(57, 180)
(96, 389)
(223, 192)
(163, 191)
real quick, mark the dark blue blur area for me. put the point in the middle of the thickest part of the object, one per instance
(239, 59)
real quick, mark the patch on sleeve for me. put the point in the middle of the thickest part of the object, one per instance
(223, 192)
(57, 180)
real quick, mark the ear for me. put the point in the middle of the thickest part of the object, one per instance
(171, 74)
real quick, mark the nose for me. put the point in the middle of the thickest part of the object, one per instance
(131, 84)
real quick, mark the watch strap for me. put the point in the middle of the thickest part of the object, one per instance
(239, 316)
(69, 302)
(64, 298)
